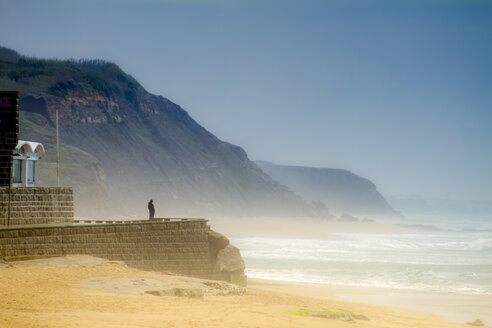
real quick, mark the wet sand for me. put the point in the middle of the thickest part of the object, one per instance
(451, 307)
(37, 294)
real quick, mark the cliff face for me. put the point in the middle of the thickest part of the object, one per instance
(340, 190)
(123, 146)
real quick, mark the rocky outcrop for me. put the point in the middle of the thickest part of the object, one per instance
(476, 323)
(217, 240)
(198, 289)
(78, 105)
(229, 264)
(177, 291)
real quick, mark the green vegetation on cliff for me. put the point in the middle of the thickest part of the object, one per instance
(122, 146)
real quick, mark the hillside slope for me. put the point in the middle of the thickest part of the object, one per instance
(123, 145)
(340, 190)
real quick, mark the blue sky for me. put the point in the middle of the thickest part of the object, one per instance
(399, 92)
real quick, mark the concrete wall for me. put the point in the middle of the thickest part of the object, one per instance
(181, 247)
(36, 205)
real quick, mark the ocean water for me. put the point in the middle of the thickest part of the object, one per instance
(445, 262)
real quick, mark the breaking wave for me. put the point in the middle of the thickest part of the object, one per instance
(451, 262)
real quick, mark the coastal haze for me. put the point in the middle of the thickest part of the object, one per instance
(344, 147)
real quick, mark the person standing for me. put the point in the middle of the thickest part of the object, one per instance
(150, 205)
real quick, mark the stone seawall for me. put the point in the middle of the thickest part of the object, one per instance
(176, 246)
(36, 205)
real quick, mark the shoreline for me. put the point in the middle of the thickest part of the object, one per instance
(452, 307)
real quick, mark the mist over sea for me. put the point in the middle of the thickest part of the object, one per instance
(453, 261)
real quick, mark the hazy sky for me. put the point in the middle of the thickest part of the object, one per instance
(399, 92)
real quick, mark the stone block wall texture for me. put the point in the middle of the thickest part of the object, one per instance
(36, 205)
(9, 131)
(179, 247)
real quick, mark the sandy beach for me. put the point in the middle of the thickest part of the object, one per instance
(61, 292)
(457, 308)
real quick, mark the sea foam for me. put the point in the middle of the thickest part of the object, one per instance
(450, 262)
